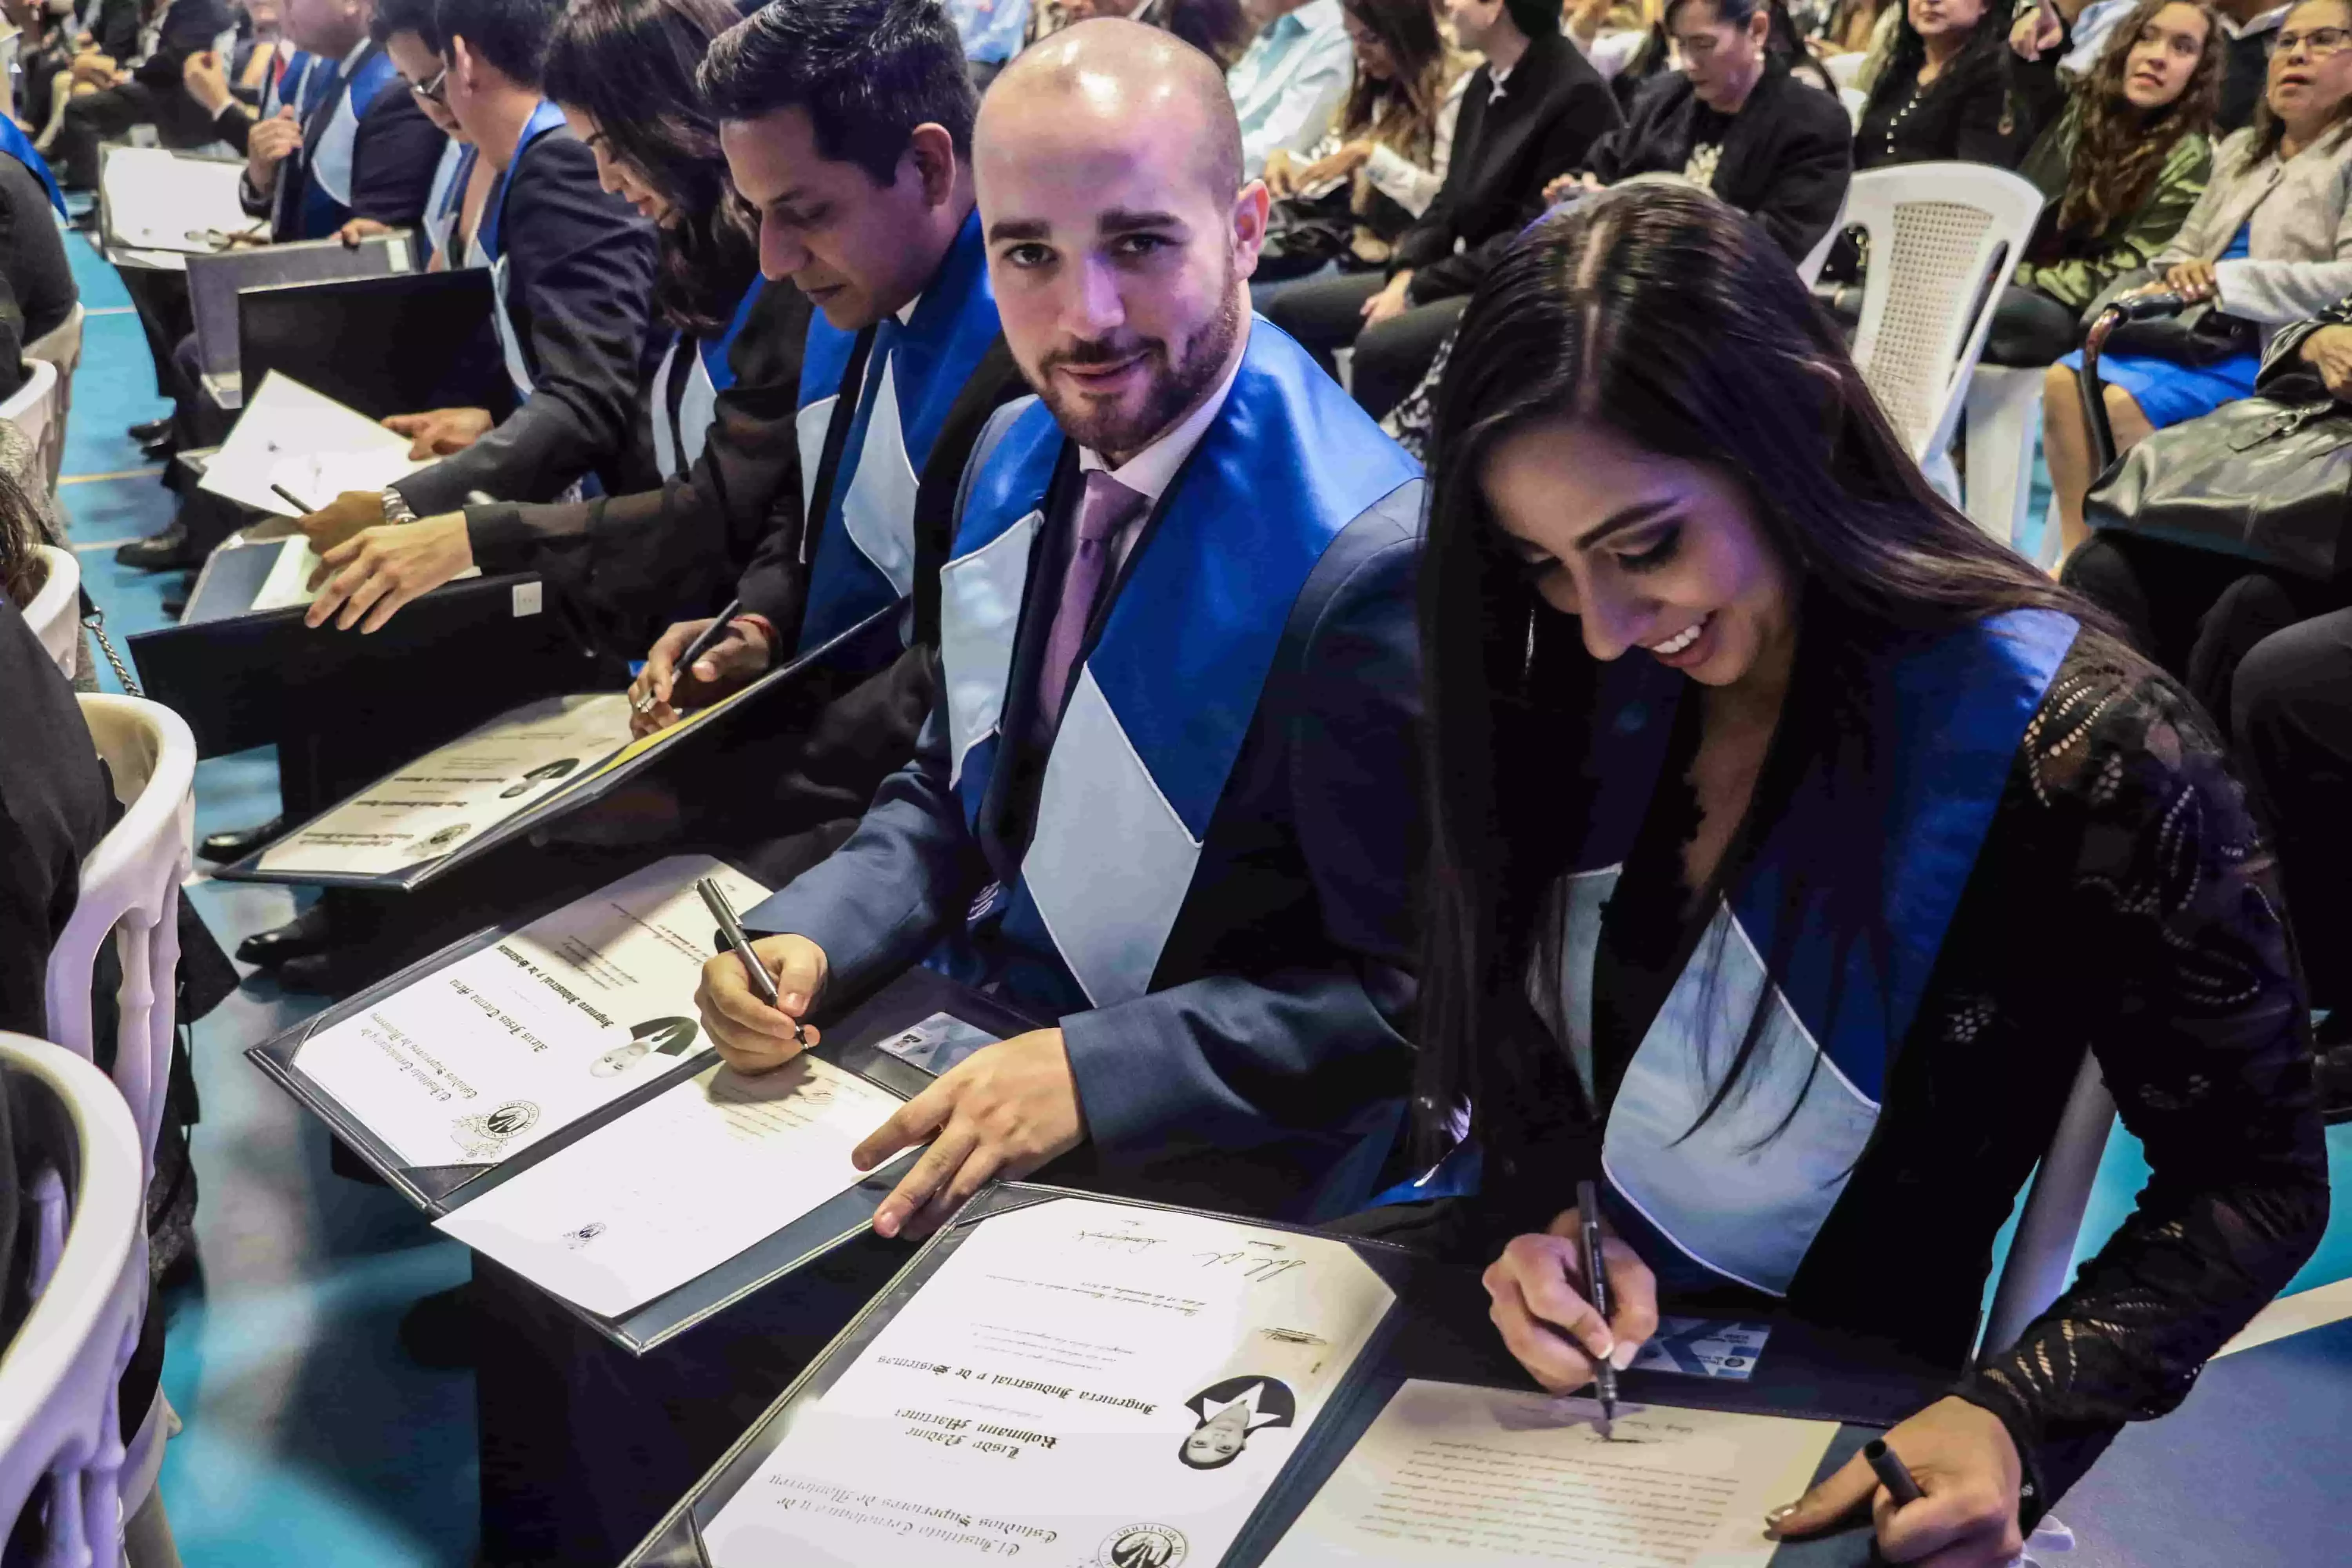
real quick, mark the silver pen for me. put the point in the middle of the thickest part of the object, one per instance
(715, 899)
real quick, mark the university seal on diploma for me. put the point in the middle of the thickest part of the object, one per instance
(1141, 1546)
(481, 1137)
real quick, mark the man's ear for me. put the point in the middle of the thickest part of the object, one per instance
(930, 154)
(1249, 218)
(461, 62)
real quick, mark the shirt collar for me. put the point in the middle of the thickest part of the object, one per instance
(1149, 471)
(907, 311)
(357, 50)
(2267, 22)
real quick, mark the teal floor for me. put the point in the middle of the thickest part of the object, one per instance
(310, 1439)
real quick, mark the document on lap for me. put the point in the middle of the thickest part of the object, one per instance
(677, 1186)
(1079, 1382)
(448, 797)
(1451, 1474)
(480, 1060)
(307, 442)
(158, 201)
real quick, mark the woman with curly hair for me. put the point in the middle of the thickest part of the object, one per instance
(2123, 159)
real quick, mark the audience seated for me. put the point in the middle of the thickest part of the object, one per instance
(1218, 28)
(991, 30)
(1603, 601)
(1289, 82)
(2082, 31)
(261, 58)
(1944, 94)
(2122, 158)
(143, 88)
(1382, 162)
(1533, 110)
(2270, 242)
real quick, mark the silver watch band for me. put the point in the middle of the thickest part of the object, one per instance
(397, 508)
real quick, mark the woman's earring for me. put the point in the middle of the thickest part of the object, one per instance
(1528, 669)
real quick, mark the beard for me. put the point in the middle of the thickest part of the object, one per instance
(1107, 423)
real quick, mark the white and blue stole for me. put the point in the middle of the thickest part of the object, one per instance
(488, 246)
(326, 192)
(446, 201)
(19, 146)
(1159, 707)
(865, 557)
(684, 404)
(1742, 1195)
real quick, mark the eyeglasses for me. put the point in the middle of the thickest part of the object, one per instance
(2319, 43)
(435, 90)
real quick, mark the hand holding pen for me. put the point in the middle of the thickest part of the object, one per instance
(753, 995)
(1543, 1308)
(1943, 1486)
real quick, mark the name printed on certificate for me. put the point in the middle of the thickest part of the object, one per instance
(1450, 1474)
(1080, 1382)
(483, 1059)
(679, 1185)
(450, 796)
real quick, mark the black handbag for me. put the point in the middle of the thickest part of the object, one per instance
(2200, 335)
(2266, 481)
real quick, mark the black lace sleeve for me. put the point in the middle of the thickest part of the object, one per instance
(2189, 994)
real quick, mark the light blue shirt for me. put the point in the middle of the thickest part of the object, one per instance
(991, 30)
(1290, 83)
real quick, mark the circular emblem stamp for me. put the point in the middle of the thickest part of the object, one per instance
(1141, 1546)
(486, 1134)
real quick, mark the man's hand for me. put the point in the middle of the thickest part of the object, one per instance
(1001, 1111)
(2035, 31)
(267, 146)
(1967, 1471)
(438, 432)
(95, 68)
(737, 659)
(374, 574)
(341, 519)
(2329, 351)
(752, 1037)
(1546, 1318)
(2192, 280)
(1390, 302)
(361, 228)
(206, 81)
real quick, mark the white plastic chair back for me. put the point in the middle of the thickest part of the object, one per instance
(1809, 270)
(55, 613)
(2043, 1250)
(1857, 104)
(35, 408)
(60, 346)
(1944, 237)
(58, 1375)
(131, 885)
(1844, 68)
(2004, 421)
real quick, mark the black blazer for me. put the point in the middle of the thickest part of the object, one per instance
(1788, 154)
(1554, 107)
(1964, 114)
(395, 151)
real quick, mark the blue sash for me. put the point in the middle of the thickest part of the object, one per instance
(446, 201)
(913, 373)
(327, 163)
(15, 142)
(544, 119)
(1158, 709)
(681, 425)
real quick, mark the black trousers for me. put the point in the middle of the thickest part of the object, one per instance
(1390, 360)
(2196, 612)
(2030, 330)
(108, 115)
(2291, 712)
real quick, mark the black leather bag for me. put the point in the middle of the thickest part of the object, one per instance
(2199, 336)
(2266, 481)
(1302, 235)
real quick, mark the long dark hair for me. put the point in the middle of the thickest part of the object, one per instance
(1783, 42)
(631, 64)
(1977, 58)
(2118, 153)
(1415, 94)
(1677, 321)
(2270, 130)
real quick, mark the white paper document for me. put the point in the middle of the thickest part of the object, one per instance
(679, 1184)
(313, 446)
(449, 797)
(1080, 1382)
(1456, 1475)
(156, 200)
(478, 1061)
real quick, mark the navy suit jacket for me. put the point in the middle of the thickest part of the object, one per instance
(395, 152)
(1268, 1047)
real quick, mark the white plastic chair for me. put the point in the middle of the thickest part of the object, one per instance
(35, 409)
(1943, 239)
(55, 613)
(2043, 1250)
(60, 346)
(131, 883)
(1844, 68)
(2004, 404)
(58, 1376)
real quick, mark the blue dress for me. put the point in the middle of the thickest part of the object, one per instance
(2171, 394)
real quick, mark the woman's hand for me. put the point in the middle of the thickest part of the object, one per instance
(2329, 351)
(1969, 1476)
(1281, 179)
(1547, 1320)
(1338, 166)
(2192, 280)
(1564, 185)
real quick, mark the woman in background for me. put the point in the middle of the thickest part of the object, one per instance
(1944, 94)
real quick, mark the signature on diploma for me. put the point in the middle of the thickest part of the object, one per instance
(1257, 1266)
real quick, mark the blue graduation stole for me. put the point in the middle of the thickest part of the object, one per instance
(18, 146)
(327, 168)
(488, 239)
(680, 430)
(1742, 1197)
(1158, 711)
(913, 373)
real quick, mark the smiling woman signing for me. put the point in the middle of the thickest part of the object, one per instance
(1793, 842)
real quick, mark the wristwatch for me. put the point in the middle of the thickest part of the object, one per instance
(397, 508)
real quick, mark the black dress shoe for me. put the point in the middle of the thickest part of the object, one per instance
(167, 551)
(240, 842)
(161, 449)
(307, 933)
(152, 431)
(334, 975)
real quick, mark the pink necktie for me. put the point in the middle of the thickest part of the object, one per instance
(1107, 507)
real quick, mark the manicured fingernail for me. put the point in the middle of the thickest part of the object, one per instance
(1623, 1356)
(1773, 1518)
(792, 1002)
